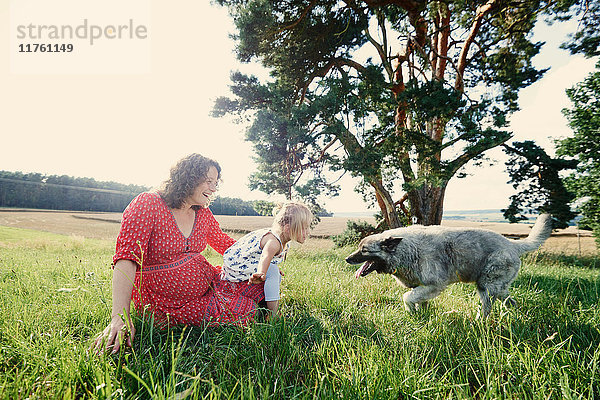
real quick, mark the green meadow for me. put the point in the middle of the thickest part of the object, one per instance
(338, 337)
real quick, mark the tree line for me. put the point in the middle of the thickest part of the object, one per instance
(53, 192)
(62, 192)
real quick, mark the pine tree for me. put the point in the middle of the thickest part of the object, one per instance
(394, 92)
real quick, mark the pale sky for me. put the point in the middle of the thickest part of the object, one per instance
(131, 128)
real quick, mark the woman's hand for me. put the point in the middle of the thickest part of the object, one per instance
(118, 332)
(114, 335)
(257, 277)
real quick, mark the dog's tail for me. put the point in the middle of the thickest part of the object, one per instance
(539, 233)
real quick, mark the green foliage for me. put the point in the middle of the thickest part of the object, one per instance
(53, 192)
(338, 338)
(355, 231)
(541, 189)
(584, 119)
(263, 207)
(232, 206)
(288, 162)
(586, 39)
(35, 190)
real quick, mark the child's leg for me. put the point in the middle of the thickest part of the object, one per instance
(272, 283)
(273, 306)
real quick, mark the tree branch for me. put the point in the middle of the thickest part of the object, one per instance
(322, 72)
(382, 53)
(321, 155)
(302, 16)
(400, 203)
(442, 43)
(474, 151)
(462, 60)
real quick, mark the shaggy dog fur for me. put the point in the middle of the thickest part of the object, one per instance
(429, 258)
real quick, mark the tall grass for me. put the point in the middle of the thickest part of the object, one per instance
(338, 337)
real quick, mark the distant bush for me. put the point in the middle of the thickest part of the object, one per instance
(264, 207)
(354, 233)
(232, 206)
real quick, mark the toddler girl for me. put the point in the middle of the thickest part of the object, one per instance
(256, 256)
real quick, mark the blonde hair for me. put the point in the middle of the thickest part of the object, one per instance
(294, 214)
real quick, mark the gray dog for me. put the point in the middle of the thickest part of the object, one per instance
(429, 258)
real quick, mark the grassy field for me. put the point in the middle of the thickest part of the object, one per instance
(338, 337)
(106, 226)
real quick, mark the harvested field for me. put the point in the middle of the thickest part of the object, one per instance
(106, 226)
(75, 223)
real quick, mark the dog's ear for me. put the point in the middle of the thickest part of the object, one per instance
(390, 244)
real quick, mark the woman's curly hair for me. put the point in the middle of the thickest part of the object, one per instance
(185, 177)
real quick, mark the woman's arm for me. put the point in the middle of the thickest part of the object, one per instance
(120, 323)
(216, 238)
(132, 243)
(270, 249)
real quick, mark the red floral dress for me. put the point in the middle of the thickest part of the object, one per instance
(175, 282)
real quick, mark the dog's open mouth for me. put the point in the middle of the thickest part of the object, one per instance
(365, 269)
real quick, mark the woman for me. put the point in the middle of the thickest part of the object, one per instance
(158, 262)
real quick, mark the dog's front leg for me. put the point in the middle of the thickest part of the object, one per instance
(419, 296)
(408, 304)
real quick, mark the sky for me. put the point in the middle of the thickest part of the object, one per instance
(129, 117)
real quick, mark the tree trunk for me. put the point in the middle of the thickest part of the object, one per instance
(427, 204)
(386, 205)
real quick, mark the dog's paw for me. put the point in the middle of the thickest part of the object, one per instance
(410, 307)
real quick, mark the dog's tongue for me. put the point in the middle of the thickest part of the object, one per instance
(360, 270)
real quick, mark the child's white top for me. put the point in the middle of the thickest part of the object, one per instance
(240, 260)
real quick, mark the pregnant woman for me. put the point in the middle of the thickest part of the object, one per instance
(158, 264)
